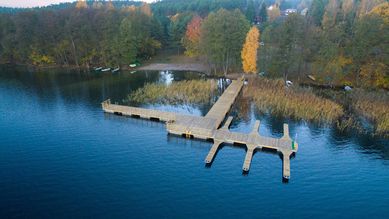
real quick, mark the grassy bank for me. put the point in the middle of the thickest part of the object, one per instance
(271, 96)
(182, 92)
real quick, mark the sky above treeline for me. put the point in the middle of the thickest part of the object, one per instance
(35, 3)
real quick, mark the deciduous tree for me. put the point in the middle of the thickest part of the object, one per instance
(191, 39)
(81, 4)
(249, 51)
(222, 37)
(273, 12)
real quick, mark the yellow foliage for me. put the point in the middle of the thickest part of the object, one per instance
(381, 10)
(374, 74)
(273, 12)
(343, 61)
(249, 51)
(367, 5)
(38, 59)
(333, 69)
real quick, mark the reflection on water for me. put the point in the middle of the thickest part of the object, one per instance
(61, 156)
(166, 77)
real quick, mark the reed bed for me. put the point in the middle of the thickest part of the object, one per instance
(182, 92)
(271, 96)
(374, 106)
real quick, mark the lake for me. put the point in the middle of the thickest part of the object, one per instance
(62, 157)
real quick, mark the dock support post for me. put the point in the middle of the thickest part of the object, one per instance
(286, 131)
(286, 164)
(227, 123)
(212, 152)
(247, 159)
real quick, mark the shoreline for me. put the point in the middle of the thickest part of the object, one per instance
(196, 67)
(349, 119)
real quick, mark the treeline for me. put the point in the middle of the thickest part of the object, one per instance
(329, 41)
(332, 41)
(82, 35)
(337, 42)
(91, 33)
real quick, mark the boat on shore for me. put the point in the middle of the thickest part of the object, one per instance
(116, 70)
(98, 68)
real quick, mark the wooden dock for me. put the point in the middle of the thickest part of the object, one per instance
(208, 128)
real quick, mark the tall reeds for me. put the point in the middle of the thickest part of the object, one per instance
(274, 97)
(374, 106)
(182, 92)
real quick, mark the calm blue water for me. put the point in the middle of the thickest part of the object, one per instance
(62, 157)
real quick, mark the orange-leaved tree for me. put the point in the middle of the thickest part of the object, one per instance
(192, 36)
(249, 51)
(145, 8)
(81, 4)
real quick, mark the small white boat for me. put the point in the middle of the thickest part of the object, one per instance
(105, 69)
(98, 68)
(132, 65)
(288, 83)
(116, 70)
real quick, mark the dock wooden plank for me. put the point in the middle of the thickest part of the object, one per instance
(212, 152)
(247, 159)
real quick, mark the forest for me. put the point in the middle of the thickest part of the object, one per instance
(331, 41)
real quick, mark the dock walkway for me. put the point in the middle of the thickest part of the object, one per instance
(208, 127)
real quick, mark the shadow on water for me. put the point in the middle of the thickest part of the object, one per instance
(365, 142)
(132, 120)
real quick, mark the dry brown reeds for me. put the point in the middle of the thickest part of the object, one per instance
(374, 106)
(182, 92)
(274, 97)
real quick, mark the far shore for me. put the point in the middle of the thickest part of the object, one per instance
(175, 67)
